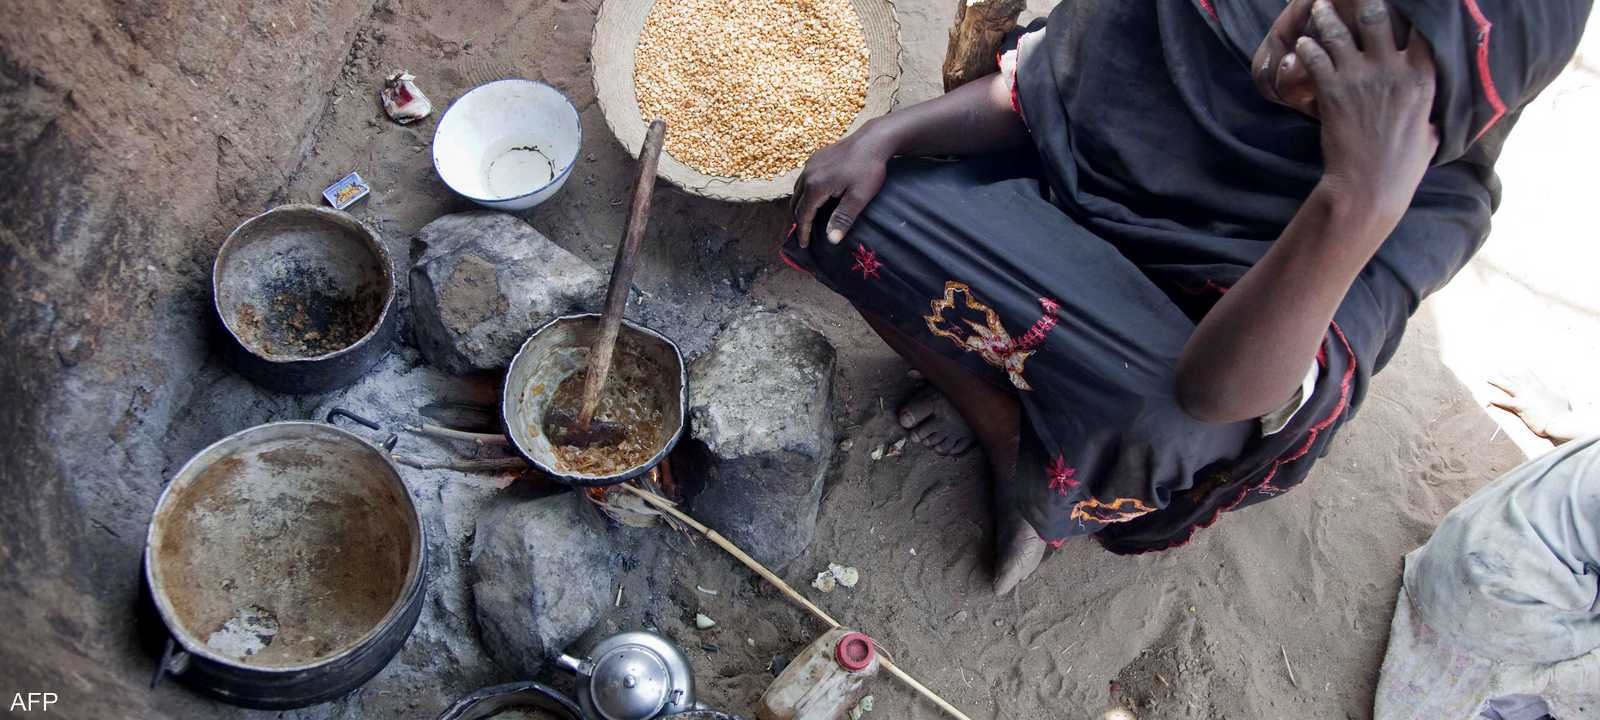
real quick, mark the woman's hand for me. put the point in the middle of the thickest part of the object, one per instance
(974, 118)
(851, 170)
(1545, 412)
(1374, 101)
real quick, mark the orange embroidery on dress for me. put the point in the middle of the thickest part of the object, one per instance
(989, 338)
(1119, 510)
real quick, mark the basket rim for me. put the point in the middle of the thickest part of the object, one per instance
(716, 187)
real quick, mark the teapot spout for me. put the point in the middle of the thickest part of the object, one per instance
(581, 668)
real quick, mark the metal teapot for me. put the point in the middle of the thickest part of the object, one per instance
(632, 676)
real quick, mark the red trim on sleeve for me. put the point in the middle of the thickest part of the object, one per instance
(785, 256)
(1485, 77)
(1292, 455)
(1206, 5)
(1016, 70)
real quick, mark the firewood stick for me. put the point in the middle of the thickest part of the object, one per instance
(480, 439)
(665, 505)
(463, 465)
(715, 537)
(979, 27)
(921, 689)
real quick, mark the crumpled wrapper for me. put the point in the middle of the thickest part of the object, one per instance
(403, 100)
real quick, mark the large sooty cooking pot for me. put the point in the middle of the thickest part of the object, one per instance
(306, 295)
(287, 562)
(561, 348)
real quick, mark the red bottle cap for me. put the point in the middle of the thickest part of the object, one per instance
(854, 651)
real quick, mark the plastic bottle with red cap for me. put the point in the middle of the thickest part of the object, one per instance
(822, 682)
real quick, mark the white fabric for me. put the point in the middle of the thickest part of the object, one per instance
(1516, 707)
(1504, 599)
(1273, 423)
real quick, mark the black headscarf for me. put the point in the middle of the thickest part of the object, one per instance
(1493, 56)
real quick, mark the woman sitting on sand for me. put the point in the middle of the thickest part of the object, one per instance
(1153, 288)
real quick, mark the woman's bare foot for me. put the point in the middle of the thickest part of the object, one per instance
(1018, 553)
(934, 422)
(935, 416)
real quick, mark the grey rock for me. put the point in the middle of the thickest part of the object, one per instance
(443, 658)
(483, 281)
(545, 571)
(760, 405)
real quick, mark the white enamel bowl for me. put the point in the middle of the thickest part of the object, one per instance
(508, 144)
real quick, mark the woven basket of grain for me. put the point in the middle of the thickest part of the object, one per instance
(617, 33)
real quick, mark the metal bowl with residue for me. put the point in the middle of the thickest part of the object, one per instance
(559, 350)
(306, 295)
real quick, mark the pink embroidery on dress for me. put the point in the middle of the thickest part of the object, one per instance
(866, 262)
(1062, 477)
(1035, 334)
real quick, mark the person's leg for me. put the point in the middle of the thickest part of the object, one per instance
(1057, 348)
(991, 411)
(995, 417)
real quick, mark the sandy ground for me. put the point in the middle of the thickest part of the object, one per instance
(1280, 611)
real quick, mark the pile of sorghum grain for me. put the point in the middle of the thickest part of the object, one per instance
(750, 88)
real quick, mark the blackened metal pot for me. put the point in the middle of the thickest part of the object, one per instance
(485, 704)
(287, 562)
(561, 348)
(306, 297)
(491, 701)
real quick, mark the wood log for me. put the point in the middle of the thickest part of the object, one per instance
(980, 26)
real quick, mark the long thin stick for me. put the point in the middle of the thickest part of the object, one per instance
(479, 439)
(463, 464)
(666, 506)
(919, 687)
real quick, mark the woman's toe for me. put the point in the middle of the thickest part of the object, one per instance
(920, 406)
(957, 445)
(934, 423)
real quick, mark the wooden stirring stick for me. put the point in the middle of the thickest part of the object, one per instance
(605, 341)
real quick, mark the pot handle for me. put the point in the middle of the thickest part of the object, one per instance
(388, 442)
(173, 662)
